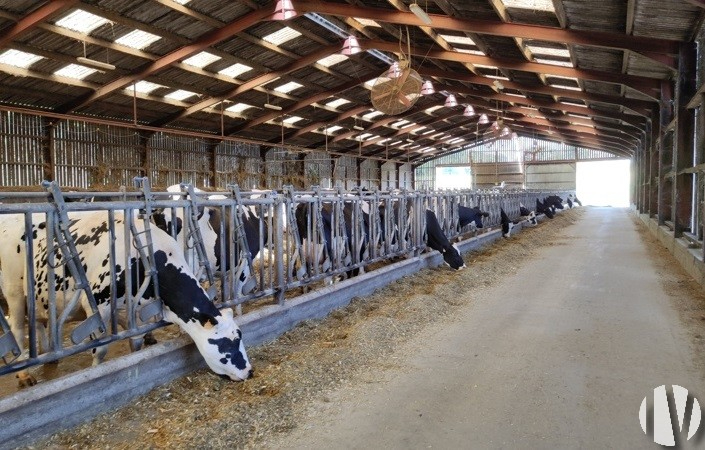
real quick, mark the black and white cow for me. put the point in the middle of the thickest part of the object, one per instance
(344, 242)
(507, 224)
(575, 199)
(437, 240)
(214, 227)
(541, 208)
(554, 201)
(472, 215)
(528, 216)
(185, 302)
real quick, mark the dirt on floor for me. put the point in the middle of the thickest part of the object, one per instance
(307, 363)
(685, 293)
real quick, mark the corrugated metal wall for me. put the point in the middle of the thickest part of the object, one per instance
(510, 160)
(551, 177)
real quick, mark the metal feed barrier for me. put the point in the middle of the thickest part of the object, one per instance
(366, 227)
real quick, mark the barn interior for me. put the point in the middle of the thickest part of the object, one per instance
(478, 102)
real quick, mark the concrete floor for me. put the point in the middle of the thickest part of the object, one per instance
(559, 355)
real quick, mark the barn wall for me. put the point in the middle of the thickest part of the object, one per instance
(85, 155)
(551, 177)
(389, 176)
(508, 160)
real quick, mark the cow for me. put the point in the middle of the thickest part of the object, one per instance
(472, 215)
(541, 208)
(213, 227)
(507, 224)
(528, 216)
(554, 201)
(575, 199)
(438, 241)
(569, 201)
(435, 239)
(185, 302)
(344, 242)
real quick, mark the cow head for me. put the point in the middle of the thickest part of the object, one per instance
(472, 215)
(222, 348)
(451, 256)
(480, 215)
(531, 218)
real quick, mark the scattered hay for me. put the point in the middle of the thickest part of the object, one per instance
(203, 411)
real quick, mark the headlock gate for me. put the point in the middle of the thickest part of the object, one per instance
(243, 245)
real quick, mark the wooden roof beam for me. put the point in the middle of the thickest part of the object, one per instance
(177, 55)
(35, 18)
(496, 28)
(641, 107)
(647, 86)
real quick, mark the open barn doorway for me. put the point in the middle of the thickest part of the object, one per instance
(453, 177)
(603, 183)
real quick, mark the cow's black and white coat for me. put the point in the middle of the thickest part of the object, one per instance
(214, 227)
(186, 303)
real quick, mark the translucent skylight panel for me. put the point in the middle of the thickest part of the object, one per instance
(535, 5)
(369, 83)
(331, 130)
(180, 94)
(201, 60)
(145, 87)
(364, 136)
(372, 115)
(81, 21)
(549, 51)
(337, 102)
(569, 88)
(464, 40)
(416, 130)
(469, 51)
(182, 2)
(432, 109)
(238, 107)
(75, 71)
(284, 35)
(137, 39)
(332, 60)
(553, 62)
(384, 140)
(427, 132)
(288, 87)
(235, 70)
(368, 22)
(399, 123)
(292, 119)
(18, 58)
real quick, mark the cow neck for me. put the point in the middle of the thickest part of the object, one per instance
(182, 294)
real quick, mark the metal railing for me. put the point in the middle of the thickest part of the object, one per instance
(256, 238)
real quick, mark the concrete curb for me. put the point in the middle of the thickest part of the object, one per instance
(64, 402)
